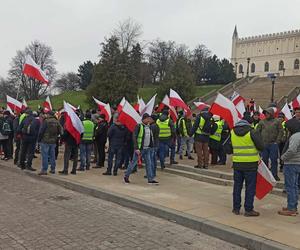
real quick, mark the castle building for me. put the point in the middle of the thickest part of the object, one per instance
(261, 55)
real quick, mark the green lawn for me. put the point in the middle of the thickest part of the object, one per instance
(79, 97)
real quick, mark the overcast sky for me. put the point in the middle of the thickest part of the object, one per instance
(75, 28)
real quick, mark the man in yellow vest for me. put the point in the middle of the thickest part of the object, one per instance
(246, 144)
(215, 140)
(184, 126)
(86, 143)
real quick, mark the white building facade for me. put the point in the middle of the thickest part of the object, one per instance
(261, 55)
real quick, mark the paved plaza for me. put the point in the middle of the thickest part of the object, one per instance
(38, 215)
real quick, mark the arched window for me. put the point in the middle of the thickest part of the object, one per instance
(281, 65)
(267, 66)
(252, 68)
(296, 64)
(240, 68)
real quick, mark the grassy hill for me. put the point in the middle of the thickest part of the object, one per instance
(77, 98)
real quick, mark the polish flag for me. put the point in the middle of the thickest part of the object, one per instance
(129, 117)
(100, 104)
(47, 105)
(239, 103)
(264, 181)
(73, 107)
(149, 106)
(225, 108)
(72, 122)
(296, 102)
(261, 113)
(172, 110)
(24, 104)
(33, 70)
(287, 112)
(107, 112)
(176, 101)
(201, 105)
(276, 111)
(121, 105)
(14, 104)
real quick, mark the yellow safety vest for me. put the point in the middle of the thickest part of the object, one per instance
(140, 136)
(88, 130)
(201, 125)
(217, 135)
(183, 126)
(244, 149)
(164, 128)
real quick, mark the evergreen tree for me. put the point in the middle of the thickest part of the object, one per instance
(113, 76)
(85, 72)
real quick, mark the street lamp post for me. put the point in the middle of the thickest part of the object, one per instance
(273, 77)
(236, 70)
(248, 62)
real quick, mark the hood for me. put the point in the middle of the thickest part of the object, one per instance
(270, 110)
(242, 127)
(163, 117)
(293, 126)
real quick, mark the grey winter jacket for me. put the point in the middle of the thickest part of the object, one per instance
(292, 154)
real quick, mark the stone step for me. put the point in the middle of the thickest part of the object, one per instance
(210, 177)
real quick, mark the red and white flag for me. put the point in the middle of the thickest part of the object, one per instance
(33, 70)
(107, 112)
(100, 104)
(261, 113)
(287, 112)
(129, 117)
(149, 106)
(172, 110)
(121, 105)
(264, 181)
(276, 111)
(201, 105)
(14, 104)
(24, 104)
(239, 103)
(225, 108)
(296, 102)
(73, 123)
(47, 105)
(176, 101)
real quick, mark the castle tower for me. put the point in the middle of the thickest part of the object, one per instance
(235, 38)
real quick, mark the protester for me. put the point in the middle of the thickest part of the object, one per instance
(143, 140)
(29, 129)
(49, 132)
(202, 129)
(117, 134)
(271, 132)
(167, 133)
(246, 144)
(291, 159)
(4, 134)
(256, 119)
(9, 118)
(215, 140)
(100, 139)
(281, 118)
(17, 138)
(155, 132)
(86, 144)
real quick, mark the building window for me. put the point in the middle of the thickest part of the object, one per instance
(281, 65)
(240, 69)
(296, 64)
(267, 67)
(252, 68)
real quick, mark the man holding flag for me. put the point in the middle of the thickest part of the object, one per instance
(246, 144)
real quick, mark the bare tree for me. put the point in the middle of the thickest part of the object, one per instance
(128, 33)
(67, 82)
(7, 88)
(28, 87)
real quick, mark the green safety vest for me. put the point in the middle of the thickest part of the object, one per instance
(88, 130)
(140, 136)
(183, 125)
(164, 128)
(217, 135)
(22, 117)
(201, 125)
(244, 149)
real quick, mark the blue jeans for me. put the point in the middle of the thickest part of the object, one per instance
(147, 155)
(154, 161)
(85, 155)
(48, 155)
(291, 176)
(271, 151)
(163, 150)
(114, 152)
(250, 179)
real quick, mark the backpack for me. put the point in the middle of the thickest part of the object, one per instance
(6, 129)
(28, 128)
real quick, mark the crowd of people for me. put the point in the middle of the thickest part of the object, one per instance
(158, 137)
